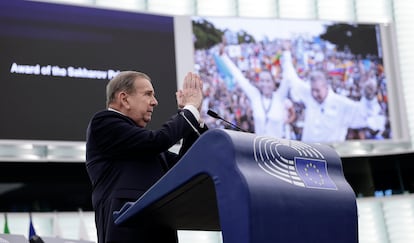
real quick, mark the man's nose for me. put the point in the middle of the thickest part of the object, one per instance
(154, 102)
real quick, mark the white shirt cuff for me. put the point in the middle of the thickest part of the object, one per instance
(193, 110)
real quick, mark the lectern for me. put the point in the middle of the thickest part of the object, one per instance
(254, 189)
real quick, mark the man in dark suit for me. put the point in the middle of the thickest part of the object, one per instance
(124, 159)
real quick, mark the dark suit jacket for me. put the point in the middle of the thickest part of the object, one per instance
(123, 161)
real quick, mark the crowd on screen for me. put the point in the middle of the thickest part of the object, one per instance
(347, 73)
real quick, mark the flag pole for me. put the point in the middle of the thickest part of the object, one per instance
(6, 225)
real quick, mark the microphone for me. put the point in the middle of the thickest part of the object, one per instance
(215, 115)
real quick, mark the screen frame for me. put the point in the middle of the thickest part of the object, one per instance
(58, 107)
(400, 140)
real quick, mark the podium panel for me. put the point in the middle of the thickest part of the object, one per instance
(254, 189)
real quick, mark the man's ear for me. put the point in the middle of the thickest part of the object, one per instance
(123, 99)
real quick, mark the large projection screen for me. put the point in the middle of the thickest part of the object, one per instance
(235, 55)
(55, 61)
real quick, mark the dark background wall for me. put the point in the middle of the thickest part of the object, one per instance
(65, 186)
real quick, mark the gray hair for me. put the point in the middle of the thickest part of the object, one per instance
(318, 76)
(124, 81)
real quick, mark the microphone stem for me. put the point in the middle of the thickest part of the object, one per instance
(233, 125)
(215, 115)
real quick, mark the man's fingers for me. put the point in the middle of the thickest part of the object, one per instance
(187, 81)
(192, 81)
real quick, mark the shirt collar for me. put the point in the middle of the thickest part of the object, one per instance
(112, 109)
